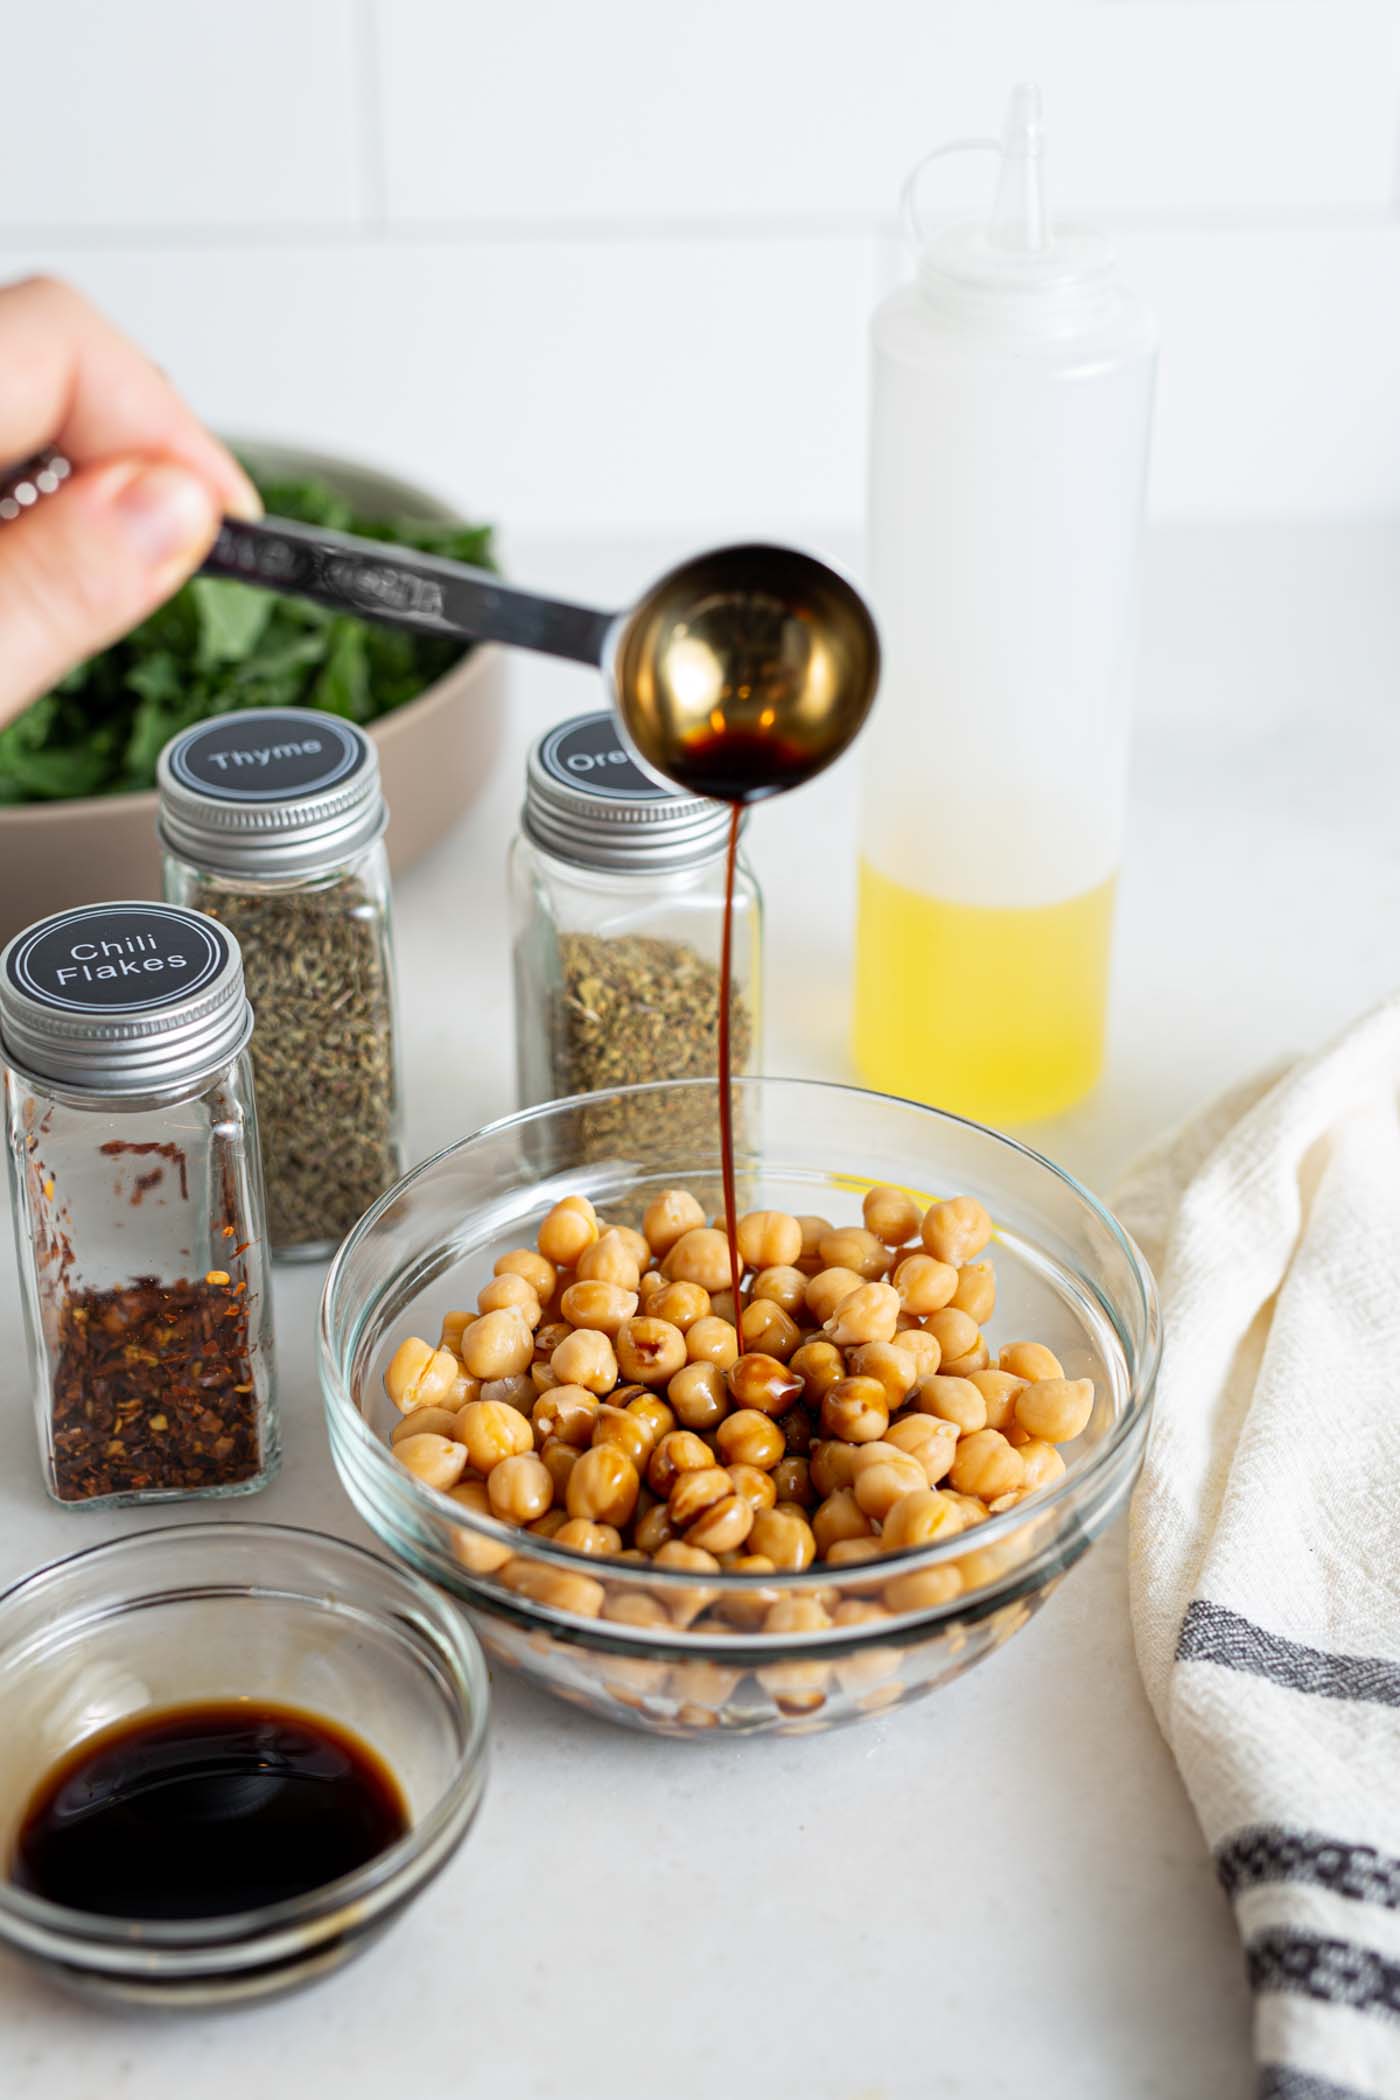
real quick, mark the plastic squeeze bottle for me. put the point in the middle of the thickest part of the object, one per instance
(1010, 411)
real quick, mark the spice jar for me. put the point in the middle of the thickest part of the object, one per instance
(617, 897)
(273, 822)
(138, 1204)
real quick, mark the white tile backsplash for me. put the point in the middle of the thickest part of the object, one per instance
(170, 113)
(607, 267)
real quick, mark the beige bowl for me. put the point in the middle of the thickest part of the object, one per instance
(435, 754)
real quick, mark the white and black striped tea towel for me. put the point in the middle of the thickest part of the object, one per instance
(1266, 1540)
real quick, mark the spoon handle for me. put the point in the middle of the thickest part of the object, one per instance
(402, 588)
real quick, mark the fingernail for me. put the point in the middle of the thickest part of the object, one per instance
(244, 500)
(166, 512)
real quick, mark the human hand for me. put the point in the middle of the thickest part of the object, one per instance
(140, 509)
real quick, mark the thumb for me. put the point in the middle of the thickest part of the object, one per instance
(84, 566)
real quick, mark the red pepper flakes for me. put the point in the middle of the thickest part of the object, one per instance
(153, 1391)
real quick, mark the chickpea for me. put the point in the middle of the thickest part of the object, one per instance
(568, 1412)
(814, 1231)
(1043, 1464)
(797, 1615)
(722, 1306)
(827, 1288)
(520, 1488)
(932, 1442)
(582, 1537)
(891, 1363)
(504, 1291)
(785, 1539)
(1056, 1410)
(919, 1344)
(955, 1400)
(652, 1282)
(694, 1491)
(974, 1511)
(699, 1396)
(679, 1304)
(517, 1391)
(761, 1381)
(780, 1285)
(749, 1608)
(792, 1482)
(749, 1437)
(542, 1378)
(581, 1596)
(918, 1518)
(537, 1272)
(723, 1527)
(603, 1307)
(479, 1555)
(559, 1460)
(614, 1426)
(852, 1247)
(769, 1239)
(832, 1465)
(669, 1217)
(797, 1432)
(685, 1605)
(976, 1293)
(425, 1421)
(754, 1485)
(609, 1260)
(651, 1411)
(712, 1341)
(856, 1410)
(850, 1553)
(651, 1351)
(438, 1461)
(453, 1324)
(603, 1486)
(891, 1214)
(548, 1337)
(1031, 1361)
(702, 1684)
(839, 1517)
(818, 1365)
(680, 1452)
(869, 1314)
(880, 1482)
(571, 1226)
(922, 1590)
(978, 1358)
(492, 1431)
(419, 1375)
(766, 1328)
(635, 1608)
(925, 1286)
(986, 1465)
(652, 1531)
(956, 1333)
(956, 1231)
(998, 1390)
(498, 1344)
(586, 1358)
(699, 1256)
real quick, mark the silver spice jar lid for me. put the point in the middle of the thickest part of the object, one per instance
(126, 998)
(588, 801)
(270, 791)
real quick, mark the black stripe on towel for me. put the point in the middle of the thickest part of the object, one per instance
(1269, 1853)
(1337, 1972)
(1281, 2082)
(1211, 1633)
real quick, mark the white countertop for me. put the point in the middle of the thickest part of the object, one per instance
(1001, 1891)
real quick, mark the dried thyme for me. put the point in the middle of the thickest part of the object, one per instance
(632, 1008)
(317, 973)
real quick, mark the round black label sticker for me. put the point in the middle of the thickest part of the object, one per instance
(128, 958)
(268, 755)
(588, 753)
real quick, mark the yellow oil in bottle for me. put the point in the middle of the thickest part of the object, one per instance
(994, 1013)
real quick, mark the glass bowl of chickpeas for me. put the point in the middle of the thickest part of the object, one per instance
(692, 1513)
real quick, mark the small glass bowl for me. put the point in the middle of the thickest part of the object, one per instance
(657, 1648)
(217, 1611)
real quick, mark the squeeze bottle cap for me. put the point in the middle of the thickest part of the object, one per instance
(1016, 251)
